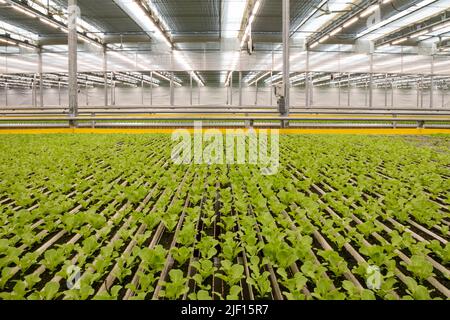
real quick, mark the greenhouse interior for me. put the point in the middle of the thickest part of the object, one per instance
(239, 150)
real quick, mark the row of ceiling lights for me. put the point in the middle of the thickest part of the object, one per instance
(136, 6)
(420, 33)
(348, 23)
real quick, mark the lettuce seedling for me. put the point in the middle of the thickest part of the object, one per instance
(201, 295)
(234, 293)
(186, 236)
(420, 267)
(204, 267)
(233, 272)
(207, 247)
(176, 287)
(153, 259)
(181, 255)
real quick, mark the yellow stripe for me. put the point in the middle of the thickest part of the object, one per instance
(171, 130)
(226, 116)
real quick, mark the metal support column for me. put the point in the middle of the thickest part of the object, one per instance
(59, 92)
(142, 89)
(114, 93)
(339, 91)
(421, 92)
(34, 95)
(87, 91)
(6, 94)
(198, 87)
(72, 51)
(348, 91)
(432, 83)
(371, 82)
(286, 56)
(240, 88)
(307, 100)
(418, 94)
(41, 80)
(386, 90)
(105, 75)
(231, 89)
(271, 88)
(172, 102)
(256, 94)
(366, 92)
(392, 94)
(111, 78)
(190, 86)
(151, 88)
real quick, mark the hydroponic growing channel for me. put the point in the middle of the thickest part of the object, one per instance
(111, 217)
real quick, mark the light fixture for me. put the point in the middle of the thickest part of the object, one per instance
(250, 21)
(399, 41)
(324, 39)
(350, 22)
(395, 17)
(369, 10)
(8, 41)
(442, 26)
(50, 23)
(420, 33)
(336, 31)
(135, 10)
(28, 13)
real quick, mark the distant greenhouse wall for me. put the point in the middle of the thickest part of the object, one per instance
(251, 96)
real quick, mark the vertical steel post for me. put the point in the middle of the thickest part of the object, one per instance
(240, 88)
(286, 55)
(172, 96)
(386, 90)
(421, 92)
(307, 100)
(190, 86)
(59, 92)
(432, 83)
(105, 74)
(41, 80)
(348, 91)
(366, 91)
(418, 93)
(231, 88)
(142, 89)
(371, 82)
(339, 91)
(271, 88)
(72, 48)
(87, 91)
(256, 95)
(111, 80)
(392, 94)
(114, 93)
(33, 91)
(198, 87)
(151, 88)
(228, 94)
(6, 94)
